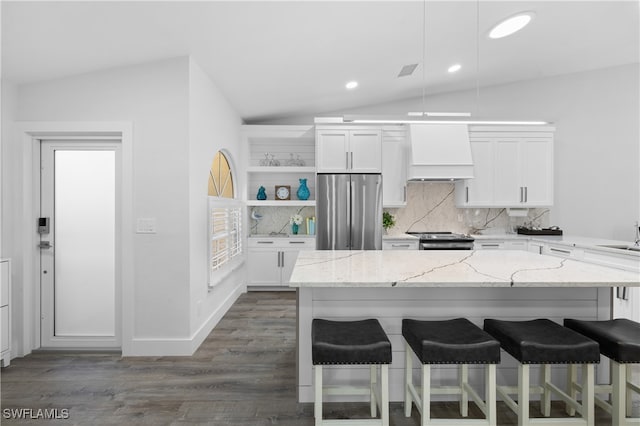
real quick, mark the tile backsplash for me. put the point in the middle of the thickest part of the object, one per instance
(276, 219)
(430, 207)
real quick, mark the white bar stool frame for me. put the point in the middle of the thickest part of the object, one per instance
(545, 389)
(379, 396)
(422, 398)
(620, 389)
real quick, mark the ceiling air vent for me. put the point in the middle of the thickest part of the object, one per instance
(407, 70)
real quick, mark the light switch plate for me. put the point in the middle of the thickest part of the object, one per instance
(146, 225)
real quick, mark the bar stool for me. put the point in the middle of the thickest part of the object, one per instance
(619, 341)
(456, 341)
(544, 342)
(352, 342)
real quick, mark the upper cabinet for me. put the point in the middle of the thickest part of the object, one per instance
(394, 171)
(513, 167)
(348, 149)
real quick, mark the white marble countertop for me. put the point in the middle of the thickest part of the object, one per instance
(451, 268)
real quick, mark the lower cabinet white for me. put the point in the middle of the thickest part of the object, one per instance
(399, 244)
(561, 250)
(536, 247)
(271, 260)
(500, 244)
(5, 312)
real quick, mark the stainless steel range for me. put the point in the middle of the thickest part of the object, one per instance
(443, 241)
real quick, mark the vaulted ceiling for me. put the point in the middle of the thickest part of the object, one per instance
(273, 59)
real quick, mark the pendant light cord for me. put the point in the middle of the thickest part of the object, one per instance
(424, 50)
(477, 58)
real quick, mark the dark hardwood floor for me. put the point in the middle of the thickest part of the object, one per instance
(243, 374)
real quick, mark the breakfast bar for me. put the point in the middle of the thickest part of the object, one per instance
(432, 285)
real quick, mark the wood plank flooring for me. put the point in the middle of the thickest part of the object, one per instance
(243, 374)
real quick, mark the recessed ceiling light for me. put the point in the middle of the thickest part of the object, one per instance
(454, 68)
(351, 85)
(511, 25)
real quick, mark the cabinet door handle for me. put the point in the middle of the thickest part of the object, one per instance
(405, 194)
(352, 160)
(467, 193)
(526, 194)
(365, 134)
(521, 194)
(567, 252)
(297, 242)
(282, 257)
(265, 242)
(400, 245)
(490, 245)
(346, 164)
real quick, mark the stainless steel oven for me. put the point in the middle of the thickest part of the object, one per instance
(443, 241)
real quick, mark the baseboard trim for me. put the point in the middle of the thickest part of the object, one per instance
(185, 346)
(198, 337)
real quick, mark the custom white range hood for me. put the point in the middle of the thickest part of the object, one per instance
(439, 152)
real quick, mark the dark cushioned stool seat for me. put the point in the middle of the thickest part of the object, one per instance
(349, 342)
(619, 339)
(542, 341)
(456, 341)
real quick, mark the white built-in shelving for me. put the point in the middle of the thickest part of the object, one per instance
(285, 144)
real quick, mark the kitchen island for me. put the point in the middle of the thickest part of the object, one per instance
(392, 285)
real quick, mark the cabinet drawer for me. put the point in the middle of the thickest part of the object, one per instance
(4, 328)
(279, 243)
(500, 245)
(488, 245)
(562, 251)
(516, 245)
(400, 245)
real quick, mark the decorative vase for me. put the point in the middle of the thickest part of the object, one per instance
(261, 194)
(294, 228)
(303, 191)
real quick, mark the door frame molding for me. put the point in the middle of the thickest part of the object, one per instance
(30, 134)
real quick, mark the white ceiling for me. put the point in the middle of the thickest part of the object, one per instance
(276, 59)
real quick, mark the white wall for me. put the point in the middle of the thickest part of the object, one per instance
(213, 125)
(155, 97)
(597, 149)
(10, 191)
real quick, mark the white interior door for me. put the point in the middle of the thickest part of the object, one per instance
(78, 255)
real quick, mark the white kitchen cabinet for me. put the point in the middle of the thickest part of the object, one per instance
(561, 250)
(400, 244)
(524, 172)
(513, 167)
(500, 244)
(5, 312)
(536, 247)
(348, 150)
(394, 171)
(479, 190)
(271, 260)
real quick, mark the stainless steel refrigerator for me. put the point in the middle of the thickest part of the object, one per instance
(349, 212)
